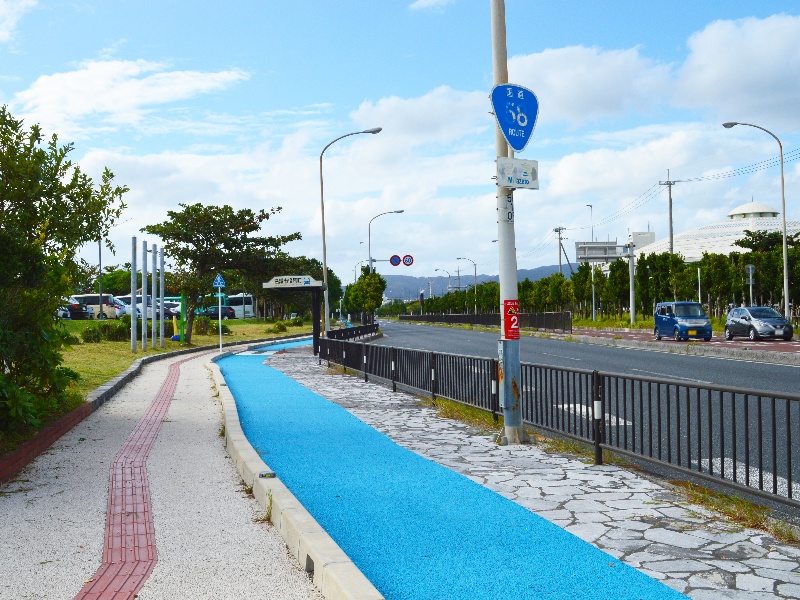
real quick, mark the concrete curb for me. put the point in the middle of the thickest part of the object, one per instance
(334, 574)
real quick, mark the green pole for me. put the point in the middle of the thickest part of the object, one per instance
(183, 315)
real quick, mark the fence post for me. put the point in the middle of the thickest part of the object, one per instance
(432, 364)
(495, 401)
(597, 414)
(393, 358)
(364, 360)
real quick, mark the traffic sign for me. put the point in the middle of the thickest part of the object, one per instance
(511, 319)
(518, 173)
(408, 260)
(395, 260)
(292, 282)
(516, 109)
(219, 282)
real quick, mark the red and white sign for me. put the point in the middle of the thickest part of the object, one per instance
(511, 319)
(408, 260)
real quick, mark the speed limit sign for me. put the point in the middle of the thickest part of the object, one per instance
(408, 260)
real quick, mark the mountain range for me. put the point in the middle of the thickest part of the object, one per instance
(406, 287)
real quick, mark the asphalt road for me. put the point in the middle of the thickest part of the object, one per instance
(609, 359)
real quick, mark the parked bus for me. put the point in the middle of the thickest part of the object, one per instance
(242, 305)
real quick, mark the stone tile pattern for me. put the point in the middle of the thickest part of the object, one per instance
(624, 513)
(129, 554)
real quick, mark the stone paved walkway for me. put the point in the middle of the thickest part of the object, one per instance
(625, 514)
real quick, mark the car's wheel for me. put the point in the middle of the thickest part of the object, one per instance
(657, 333)
(728, 334)
(225, 318)
(676, 335)
(752, 334)
(707, 339)
(102, 316)
(788, 338)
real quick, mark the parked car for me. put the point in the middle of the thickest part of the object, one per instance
(77, 310)
(112, 308)
(682, 321)
(212, 312)
(62, 313)
(757, 322)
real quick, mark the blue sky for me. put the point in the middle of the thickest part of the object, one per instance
(232, 103)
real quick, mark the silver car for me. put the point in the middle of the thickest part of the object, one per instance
(757, 322)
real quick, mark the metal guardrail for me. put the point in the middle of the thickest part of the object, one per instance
(743, 439)
(548, 321)
(350, 333)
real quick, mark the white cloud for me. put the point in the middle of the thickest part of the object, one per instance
(422, 4)
(441, 117)
(577, 84)
(112, 94)
(11, 12)
(744, 69)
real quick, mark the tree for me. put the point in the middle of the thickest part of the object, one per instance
(204, 240)
(48, 209)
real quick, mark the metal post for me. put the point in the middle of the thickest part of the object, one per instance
(133, 293)
(219, 317)
(102, 314)
(153, 296)
(699, 295)
(632, 267)
(508, 347)
(144, 295)
(597, 414)
(161, 293)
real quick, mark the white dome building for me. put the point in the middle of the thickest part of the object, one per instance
(720, 238)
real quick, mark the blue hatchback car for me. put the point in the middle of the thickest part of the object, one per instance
(682, 321)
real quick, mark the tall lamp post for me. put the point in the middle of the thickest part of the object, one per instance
(474, 280)
(786, 311)
(322, 207)
(369, 234)
(448, 277)
(591, 218)
(358, 264)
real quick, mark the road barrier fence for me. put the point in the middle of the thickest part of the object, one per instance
(547, 321)
(745, 440)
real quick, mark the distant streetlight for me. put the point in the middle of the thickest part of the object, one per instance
(358, 264)
(369, 234)
(591, 218)
(448, 277)
(474, 280)
(786, 310)
(322, 207)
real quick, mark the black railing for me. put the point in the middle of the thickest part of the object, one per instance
(547, 321)
(743, 439)
(350, 333)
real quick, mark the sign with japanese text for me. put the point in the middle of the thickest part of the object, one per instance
(511, 319)
(292, 281)
(516, 109)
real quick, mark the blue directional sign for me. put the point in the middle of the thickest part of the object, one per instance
(516, 109)
(219, 282)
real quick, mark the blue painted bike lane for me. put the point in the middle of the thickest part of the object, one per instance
(416, 530)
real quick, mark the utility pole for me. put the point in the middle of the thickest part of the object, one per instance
(669, 185)
(509, 372)
(632, 267)
(558, 230)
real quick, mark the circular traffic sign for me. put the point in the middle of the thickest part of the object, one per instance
(408, 260)
(395, 260)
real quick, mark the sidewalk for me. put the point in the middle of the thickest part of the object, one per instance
(625, 514)
(53, 515)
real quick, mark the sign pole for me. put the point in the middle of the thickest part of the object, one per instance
(218, 284)
(508, 347)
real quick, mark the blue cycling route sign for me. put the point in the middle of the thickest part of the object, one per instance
(219, 282)
(516, 109)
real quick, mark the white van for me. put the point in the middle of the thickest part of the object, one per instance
(242, 305)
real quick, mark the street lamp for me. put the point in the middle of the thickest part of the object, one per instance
(591, 218)
(474, 281)
(369, 233)
(322, 207)
(448, 277)
(358, 264)
(786, 311)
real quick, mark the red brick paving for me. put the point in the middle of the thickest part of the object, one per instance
(129, 553)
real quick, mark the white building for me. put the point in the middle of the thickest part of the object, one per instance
(720, 238)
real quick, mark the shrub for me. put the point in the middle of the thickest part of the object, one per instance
(214, 330)
(296, 322)
(126, 320)
(279, 327)
(201, 325)
(91, 335)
